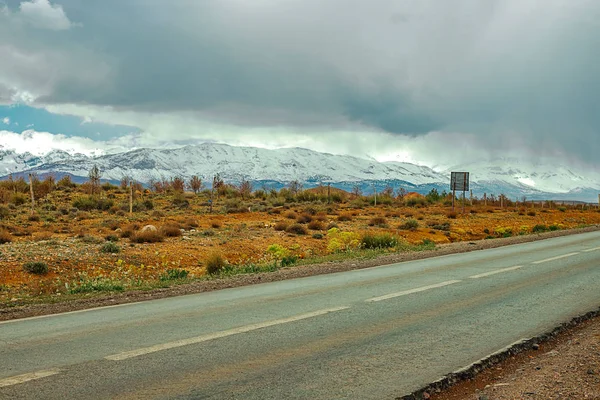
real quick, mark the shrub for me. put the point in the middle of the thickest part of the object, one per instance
(410, 224)
(214, 263)
(170, 230)
(342, 241)
(5, 237)
(378, 221)
(111, 238)
(452, 214)
(304, 219)
(381, 241)
(280, 226)
(174, 274)
(18, 199)
(147, 237)
(215, 225)
(288, 260)
(531, 213)
(33, 218)
(110, 247)
(4, 212)
(298, 229)
(344, 217)
(315, 226)
(562, 209)
(539, 228)
(290, 215)
(36, 267)
(317, 235)
(96, 285)
(553, 227)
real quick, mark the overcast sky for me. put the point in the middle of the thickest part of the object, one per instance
(435, 82)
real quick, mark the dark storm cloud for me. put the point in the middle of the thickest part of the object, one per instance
(502, 70)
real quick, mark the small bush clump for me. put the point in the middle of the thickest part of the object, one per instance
(539, 228)
(452, 214)
(5, 237)
(110, 247)
(380, 241)
(36, 267)
(174, 274)
(298, 229)
(280, 226)
(344, 217)
(378, 221)
(215, 263)
(304, 219)
(170, 230)
(315, 226)
(531, 213)
(410, 224)
(148, 236)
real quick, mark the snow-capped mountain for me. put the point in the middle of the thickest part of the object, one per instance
(547, 177)
(511, 177)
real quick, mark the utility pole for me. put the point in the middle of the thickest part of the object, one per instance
(130, 197)
(31, 191)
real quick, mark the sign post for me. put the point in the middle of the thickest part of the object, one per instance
(459, 181)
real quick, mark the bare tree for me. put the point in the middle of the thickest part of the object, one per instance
(245, 188)
(94, 176)
(195, 184)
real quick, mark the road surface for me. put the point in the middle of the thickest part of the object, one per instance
(374, 333)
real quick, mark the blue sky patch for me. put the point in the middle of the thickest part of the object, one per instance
(22, 117)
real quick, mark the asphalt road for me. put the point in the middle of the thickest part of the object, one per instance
(373, 333)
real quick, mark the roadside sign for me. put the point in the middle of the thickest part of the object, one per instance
(459, 181)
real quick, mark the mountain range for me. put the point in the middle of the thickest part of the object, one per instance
(275, 168)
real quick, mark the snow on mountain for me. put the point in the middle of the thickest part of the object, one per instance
(512, 177)
(534, 176)
(237, 163)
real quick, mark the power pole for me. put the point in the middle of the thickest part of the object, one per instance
(130, 197)
(31, 191)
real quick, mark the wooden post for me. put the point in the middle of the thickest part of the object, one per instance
(501, 201)
(463, 201)
(453, 197)
(375, 190)
(130, 197)
(471, 198)
(485, 199)
(328, 193)
(31, 191)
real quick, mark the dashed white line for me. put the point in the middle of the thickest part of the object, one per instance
(211, 336)
(15, 380)
(411, 291)
(498, 271)
(555, 258)
(594, 249)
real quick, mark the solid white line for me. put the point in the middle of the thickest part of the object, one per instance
(555, 258)
(10, 321)
(411, 291)
(204, 338)
(498, 271)
(594, 249)
(15, 380)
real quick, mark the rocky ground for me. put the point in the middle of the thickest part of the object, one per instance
(564, 367)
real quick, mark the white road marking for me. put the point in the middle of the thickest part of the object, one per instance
(211, 336)
(498, 271)
(555, 258)
(10, 321)
(15, 380)
(594, 249)
(411, 291)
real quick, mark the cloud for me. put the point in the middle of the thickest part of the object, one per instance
(44, 15)
(6, 121)
(40, 143)
(510, 76)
